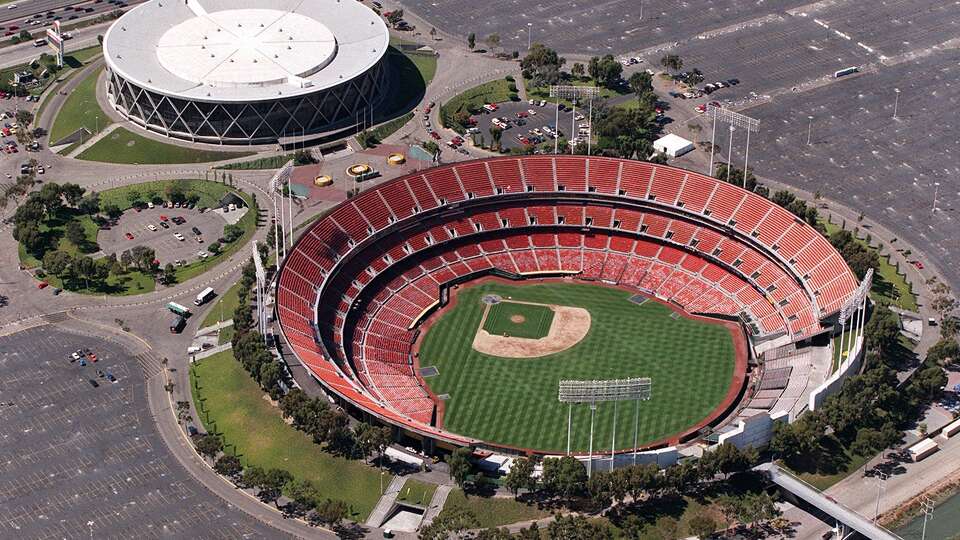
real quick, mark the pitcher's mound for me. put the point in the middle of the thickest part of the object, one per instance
(570, 325)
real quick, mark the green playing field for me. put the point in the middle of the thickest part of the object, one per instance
(513, 401)
(518, 320)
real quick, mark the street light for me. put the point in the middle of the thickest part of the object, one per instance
(529, 31)
(896, 102)
(936, 191)
(881, 482)
(809, 129)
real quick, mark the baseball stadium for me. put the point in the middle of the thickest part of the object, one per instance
(457, 303)
(247, 72)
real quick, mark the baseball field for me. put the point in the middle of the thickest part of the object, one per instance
(513, 400)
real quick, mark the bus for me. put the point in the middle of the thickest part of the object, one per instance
(845, 71)
(177, 325)
(204, 296)
(178, 309)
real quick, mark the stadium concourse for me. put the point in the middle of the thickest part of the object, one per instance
(354, 289)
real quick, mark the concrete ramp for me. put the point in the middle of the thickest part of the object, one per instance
(382, 510)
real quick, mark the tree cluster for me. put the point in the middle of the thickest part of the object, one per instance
(857, 255)
(542, 65)
(605, 71)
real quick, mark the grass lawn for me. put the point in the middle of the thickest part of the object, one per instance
(823, 481)
(125, 146)
(210, 192)
(543, 92)
(518, 320)
(410, 75)
(232, 404)
(75, 61)
(80, 110)
(491, 92)
(514, 401)
(416, 492)
(889, 286)
(494, 511)
(271, 162)
(226, 304)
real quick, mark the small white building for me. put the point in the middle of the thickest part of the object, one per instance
(672, 145)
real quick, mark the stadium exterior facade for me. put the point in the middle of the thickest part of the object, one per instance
(246, 72)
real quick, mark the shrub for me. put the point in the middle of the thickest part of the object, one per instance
(509, 78)
(512, 87)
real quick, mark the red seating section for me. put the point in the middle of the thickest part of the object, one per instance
(661, 230)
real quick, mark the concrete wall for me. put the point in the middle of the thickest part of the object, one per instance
(754, 431)
(833, 384)
(663, 458)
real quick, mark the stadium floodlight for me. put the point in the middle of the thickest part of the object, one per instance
(593, 392)
(735, 120)
(854, 308)
(574, 92)
(281, 178)
(261, 291)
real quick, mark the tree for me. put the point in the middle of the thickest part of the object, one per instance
(214, 248)
(228, 465)
(24, 116)
(577, 528)
(882, 331)
(542, 65)
(30, 236)
(73, 193)
(90, 204)
(702, 526)
(672, 61)
(868, 442)
(459, 464)
(577, 70)
(520, 476)
(303, 494)
(74, 233)
(565, 476)
(492, 41)
(496, 133)
(605, 70)
(640, 82)
(451, 522)
(209, 445)
(271, 485)
(471, 40)
(169, 274)
(57, 262)
(253, 477)
(331, 512)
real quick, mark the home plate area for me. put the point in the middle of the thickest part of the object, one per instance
(515, 329)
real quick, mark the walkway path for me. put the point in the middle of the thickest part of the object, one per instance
(436, 504)
(385, 504)
(92, 140)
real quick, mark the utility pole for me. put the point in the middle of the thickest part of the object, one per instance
(936, 191)
(529, 32)
(809, 129)
(881, 483)
(926, 505)
(896, 102)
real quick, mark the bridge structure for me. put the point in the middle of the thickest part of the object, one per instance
(849, 523)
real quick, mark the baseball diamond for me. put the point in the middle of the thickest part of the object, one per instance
(494, 398)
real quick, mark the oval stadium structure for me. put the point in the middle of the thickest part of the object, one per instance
(246, 71)
(356, 287)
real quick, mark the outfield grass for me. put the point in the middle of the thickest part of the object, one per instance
(518, 320)
(494, 511)
(232, 404)
(416, 492)
(514, 401)
(80, 110)
(124, 146)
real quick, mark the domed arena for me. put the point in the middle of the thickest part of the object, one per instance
(247, 72)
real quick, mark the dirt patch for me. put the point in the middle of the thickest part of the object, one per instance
(518, 319)
(570, 325)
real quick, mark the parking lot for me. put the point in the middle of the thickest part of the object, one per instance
(162, 240)
(79, 460)
(544, 116)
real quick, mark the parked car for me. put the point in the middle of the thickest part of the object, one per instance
(129, 236)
